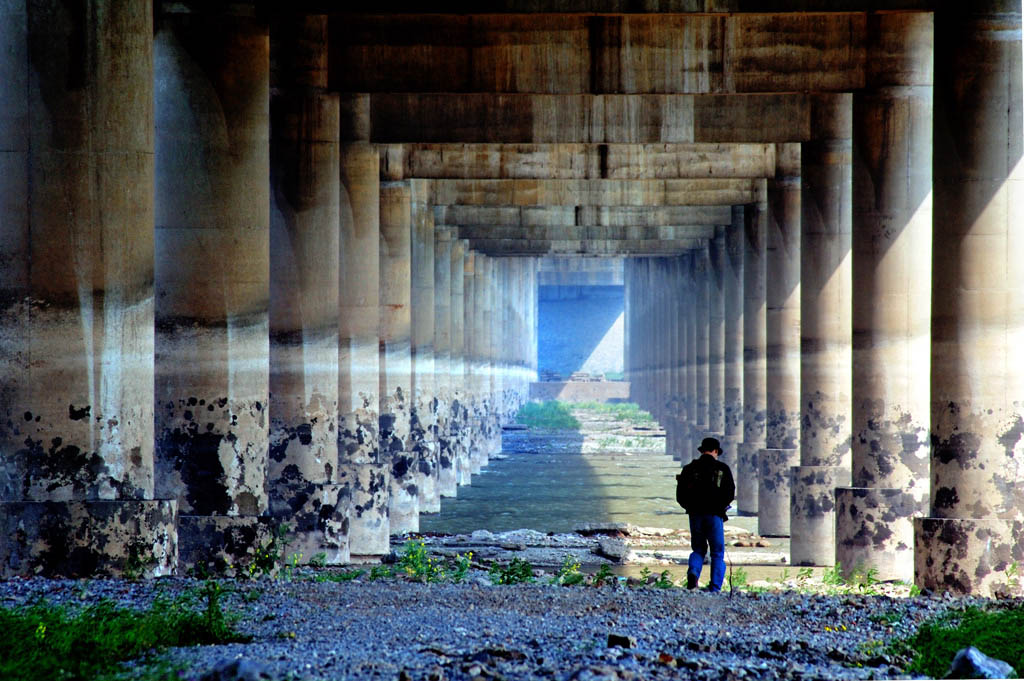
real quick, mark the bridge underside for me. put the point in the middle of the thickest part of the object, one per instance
(275, 263)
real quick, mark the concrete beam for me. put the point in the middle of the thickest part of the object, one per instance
(631, 247)
(596, 192)
(626, 53)
(576, 161)
(615, 6)
(605, 216)
(406, 117)
(571, 232)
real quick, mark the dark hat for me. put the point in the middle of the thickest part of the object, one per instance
(709, 444)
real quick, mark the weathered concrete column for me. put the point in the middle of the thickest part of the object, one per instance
(459, 362)
(395, 355)
(716, 342)
(490, 351)
(892, 218)
(976, 530)
(755, 219)
(423, 411)
(360, 462)
(304, 222)
(76, 294)
(782, 349)
(732, 353)
(473, 370)
(676, 421)
(212, 274)
(701, 335)
(443, 361)
(826, 290)
(688, 331)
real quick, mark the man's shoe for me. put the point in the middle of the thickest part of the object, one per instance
(691, 580)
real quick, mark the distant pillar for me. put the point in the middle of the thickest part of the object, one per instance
(716, 342)
(732, 303)
(825, 333)
(677, 416)
(212, 264)
(755, 232)
(304, 223)
(689, 330)
(459, 362)
(473, 368)
(423, 412)
(445, 384)
(701, 325)
(76, 293)
(975, 535)
(892, 218)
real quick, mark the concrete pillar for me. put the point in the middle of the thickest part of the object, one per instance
(360, 462)
(395, 355)
(701, 336)
(755, 233)
(676, 421)
(443, 361)
(76, 293)
(826, 290)
(782, 349)
(423, 411)
(473, 369)
(732, 302)
(716, 342)
(975, 534)
(459, 363)
(892, 218)
(304, 222)
(212, 265)
(689, 338)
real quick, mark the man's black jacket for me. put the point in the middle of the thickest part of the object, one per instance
(708, 486)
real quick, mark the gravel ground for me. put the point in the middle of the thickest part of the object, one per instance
(395, 629)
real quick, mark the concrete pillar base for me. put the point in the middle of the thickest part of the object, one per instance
(968, 556)
(369, 528)
(874, 531)
(812, 513)
(773, 490)
(80, 539)
(746, 475)
(218, 544)
(318, 516)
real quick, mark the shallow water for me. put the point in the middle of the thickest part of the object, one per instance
(553, 482)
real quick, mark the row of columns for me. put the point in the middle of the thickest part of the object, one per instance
(215, 318)
(881, 407)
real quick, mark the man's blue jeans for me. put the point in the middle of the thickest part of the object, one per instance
(706, 530)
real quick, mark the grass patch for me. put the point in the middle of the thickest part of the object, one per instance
(620, 411)
(997, 633)
(551, 414)
(46, 641)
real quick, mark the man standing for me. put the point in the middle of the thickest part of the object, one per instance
(706, 489)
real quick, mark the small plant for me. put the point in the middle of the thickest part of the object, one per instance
(603, 575)
(517, 572)
(784, 577)
(339, 577)
(319, 560)
(833, 576)
(461, 567)
(804, 574)
(569, 574)
(267, 557)
(416, 562)
(645, 574)
(664, 580)
(140, 557)
(737, 579)
(380, 572)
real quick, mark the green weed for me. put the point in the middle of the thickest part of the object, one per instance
(551, 414)
(461, 567)
(738, 579)
(569, 574)
(620, 411)
(416, 562)
(517, 572)
(339, 577)
(45, 641)
(603, 575)
(381, 572)
(994, 632)
(664, 580)
(319, 560)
